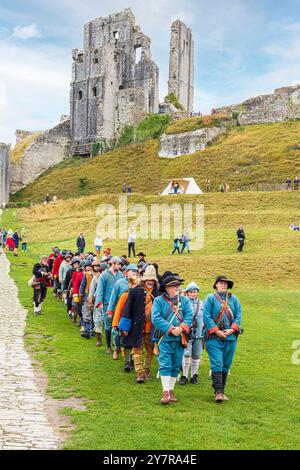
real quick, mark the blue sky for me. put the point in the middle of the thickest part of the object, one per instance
(243, 48)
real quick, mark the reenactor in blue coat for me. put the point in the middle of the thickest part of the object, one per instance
(222, 319)
(172, 315)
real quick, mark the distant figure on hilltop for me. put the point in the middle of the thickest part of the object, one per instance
(296, 183)
(80, 243)
(124, 188)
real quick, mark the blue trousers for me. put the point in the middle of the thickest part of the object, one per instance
(220, 354)
(194, 349)
(170, 358)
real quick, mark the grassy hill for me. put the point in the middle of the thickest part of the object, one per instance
(263, 411)
(264, 154)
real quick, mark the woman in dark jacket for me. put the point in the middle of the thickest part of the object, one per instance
(135, 322)
(42, 281)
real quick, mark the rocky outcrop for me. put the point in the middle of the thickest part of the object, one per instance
(187, 143)
(282, 105)
(4, 174)
(48, 149)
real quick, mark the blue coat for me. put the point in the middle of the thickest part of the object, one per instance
(159, 311)
(197, 332)
(120, 287)
(212, 307)
(105, 286)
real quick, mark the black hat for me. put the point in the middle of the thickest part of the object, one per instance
(170, 279)
(223, 278)
(141, 254)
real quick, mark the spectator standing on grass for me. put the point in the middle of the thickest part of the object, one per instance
(16, 238)
(1, 241)
(98, 245)
(222, 188)
(176, 246)
(80, 243)
(296, 183)
(129, 189)
(124, 188)
(227, 188)
(241, 238)
(288, 183)
(185, 242)
(131, 242)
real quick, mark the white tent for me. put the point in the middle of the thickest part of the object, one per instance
(186, 186)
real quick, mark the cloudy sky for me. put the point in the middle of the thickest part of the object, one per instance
(243, 48)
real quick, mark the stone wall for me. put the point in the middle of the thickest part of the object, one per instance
(4, 174)
(282, 105)
(181, 65)
(47, 150)
(112, 85)
(187, 143)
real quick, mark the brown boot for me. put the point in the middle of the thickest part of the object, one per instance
(140, 379)
(115, 355)
(173, 398)
(219, 397)
(165, 398)
(147, 375)
(99, 338)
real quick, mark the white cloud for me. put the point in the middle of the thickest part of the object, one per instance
(26, 32)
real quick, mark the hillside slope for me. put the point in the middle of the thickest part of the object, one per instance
(264, 154)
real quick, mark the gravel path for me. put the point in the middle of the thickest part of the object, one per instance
(23, 421)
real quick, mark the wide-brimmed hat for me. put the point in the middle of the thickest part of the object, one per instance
(141, 254)
(150, 274)
(223, 278)
(170, 279)
(107, 250)
(75, 260)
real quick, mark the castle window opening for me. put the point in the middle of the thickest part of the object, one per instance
(80, 58)
(131, 97)
(96, 60)
(79, 95)
(138, 54)
(116, 35)
(95, 92)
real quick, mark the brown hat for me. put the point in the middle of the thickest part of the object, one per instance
(223, 278)
(150, 274)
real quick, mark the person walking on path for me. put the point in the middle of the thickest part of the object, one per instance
(16, 238)
(41, 282)
(57, 260)
(193, 352)
(98, 316)
(87, 314)
(131, 242)
(222, 319)
(241, 238)
(135, 323)
(121, 286)
(80, 244)
(173, 316)
(105, 287)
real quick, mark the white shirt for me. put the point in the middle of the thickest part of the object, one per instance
(132, 237)
(98, 241)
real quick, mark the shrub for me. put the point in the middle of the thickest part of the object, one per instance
(171, 98)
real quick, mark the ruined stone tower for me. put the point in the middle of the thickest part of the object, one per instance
(4, 174)
(181, 67)
(114, 80)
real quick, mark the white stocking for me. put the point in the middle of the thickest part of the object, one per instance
(165, 381)
(195, 366)
(172, 383)
(185, 365)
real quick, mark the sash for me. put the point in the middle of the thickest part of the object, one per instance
(196, 310)
(172, 304)
(224, 309)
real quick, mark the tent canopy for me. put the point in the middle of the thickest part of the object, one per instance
(186, 186)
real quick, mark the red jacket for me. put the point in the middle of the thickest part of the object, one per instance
(56, 265)
(76, 281)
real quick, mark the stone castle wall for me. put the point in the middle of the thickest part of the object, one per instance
(47, 150)
(181, 65)
(187, 143)
(282, 105)
(4, 174)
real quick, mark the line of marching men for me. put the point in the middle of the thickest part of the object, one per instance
(139, 310)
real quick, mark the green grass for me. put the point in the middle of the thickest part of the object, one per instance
(194, 123)
(263, 412)
(265, 154)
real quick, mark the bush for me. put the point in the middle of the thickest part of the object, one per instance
(171, 98)
(152, 127)
(127, 136)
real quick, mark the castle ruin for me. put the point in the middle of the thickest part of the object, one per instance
(4, 174)
(115, 81)
(181, 65)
